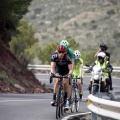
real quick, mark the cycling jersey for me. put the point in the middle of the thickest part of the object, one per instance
(70, 52)
(78, 64)
(61, 65)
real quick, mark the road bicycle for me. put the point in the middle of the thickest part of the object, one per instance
(75, 99)
(60, 100)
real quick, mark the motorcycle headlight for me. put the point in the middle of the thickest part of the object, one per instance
(96, 77)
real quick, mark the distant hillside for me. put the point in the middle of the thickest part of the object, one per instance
(90, 22)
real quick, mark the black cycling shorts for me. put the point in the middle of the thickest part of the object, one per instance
(61, 71)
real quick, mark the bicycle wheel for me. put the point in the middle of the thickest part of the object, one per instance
(58, 108)
(62, 102)
(72, 100)
(77, 100)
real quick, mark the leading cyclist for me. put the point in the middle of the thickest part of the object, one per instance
(70, 52)
(61, 64)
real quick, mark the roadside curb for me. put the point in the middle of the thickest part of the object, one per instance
(77, 116)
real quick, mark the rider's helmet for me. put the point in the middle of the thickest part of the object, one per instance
(61, 48)
(65, 43)
(101, 56)
(103, 46)
(77, 54)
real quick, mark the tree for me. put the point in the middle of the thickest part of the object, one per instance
(73, 44)
(47, 52)
(23, 43)
(88, 57)
(11, 11)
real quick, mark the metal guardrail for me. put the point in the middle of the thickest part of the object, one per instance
(104, 109)
(47, 68)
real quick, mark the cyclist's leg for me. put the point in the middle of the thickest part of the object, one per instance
(67, 89)
(54, 91)
(55, 87)
(80, 88)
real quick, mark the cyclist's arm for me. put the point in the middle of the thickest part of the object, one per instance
(81, 70)
(81, 67)
(53, 64)
(70, 69)
(97, 53)
(72, 59)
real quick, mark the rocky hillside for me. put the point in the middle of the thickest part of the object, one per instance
(90, 22)
(14, 77)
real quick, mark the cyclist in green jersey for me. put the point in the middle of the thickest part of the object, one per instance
(78, 70)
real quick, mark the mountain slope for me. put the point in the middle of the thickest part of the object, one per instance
(90, 22)
(14, 77)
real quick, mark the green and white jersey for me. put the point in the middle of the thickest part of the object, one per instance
(70, 53)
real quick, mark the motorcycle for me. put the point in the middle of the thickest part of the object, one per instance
(98, 82)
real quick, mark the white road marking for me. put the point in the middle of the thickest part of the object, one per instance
(30, 100)
(65, 118)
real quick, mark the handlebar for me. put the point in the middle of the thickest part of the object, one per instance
(88, 71)
(58, 76)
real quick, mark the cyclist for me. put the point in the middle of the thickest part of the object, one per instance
(78, 70)
(105, 65)
(70, 52)
(61, 64)
(103, 48)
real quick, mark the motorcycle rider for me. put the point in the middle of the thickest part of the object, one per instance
(105, 65)
(103, 48)
(78, 71)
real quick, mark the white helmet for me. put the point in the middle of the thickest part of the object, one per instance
(101, 54)
(77, 54)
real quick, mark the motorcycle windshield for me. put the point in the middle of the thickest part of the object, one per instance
(97, 70)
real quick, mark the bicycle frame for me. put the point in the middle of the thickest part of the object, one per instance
(60, 97)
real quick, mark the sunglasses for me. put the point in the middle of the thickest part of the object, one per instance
(61, 52)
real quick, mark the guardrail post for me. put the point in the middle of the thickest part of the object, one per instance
(93, 116)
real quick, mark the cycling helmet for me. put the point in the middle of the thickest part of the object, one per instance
(61, 48)
(77, 54)
(101, 56)
(102, 45)
(65, 43)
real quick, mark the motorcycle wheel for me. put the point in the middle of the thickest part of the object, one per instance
(102, 87)
(95, 89)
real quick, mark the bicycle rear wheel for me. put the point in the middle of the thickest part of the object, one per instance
(72, 100)
(77, 100)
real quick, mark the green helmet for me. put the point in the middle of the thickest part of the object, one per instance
(65, 43)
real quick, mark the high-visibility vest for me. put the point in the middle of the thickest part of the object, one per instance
(103, 66)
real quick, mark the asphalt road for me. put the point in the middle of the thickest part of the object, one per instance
(37, 106)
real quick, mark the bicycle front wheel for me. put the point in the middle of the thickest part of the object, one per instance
(59, 106)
